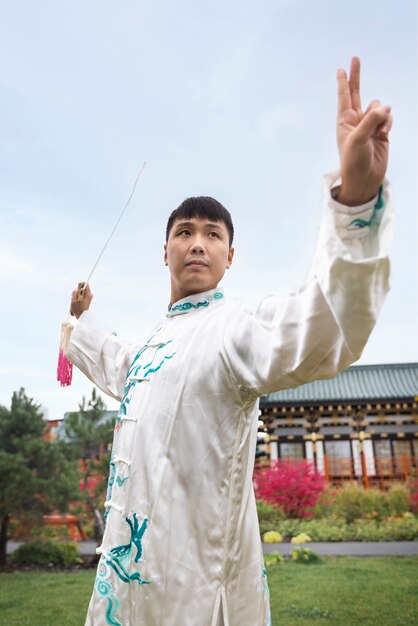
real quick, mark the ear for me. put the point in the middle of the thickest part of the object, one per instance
(230, 258)
(165, 254)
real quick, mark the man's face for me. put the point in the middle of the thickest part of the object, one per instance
(197, 253)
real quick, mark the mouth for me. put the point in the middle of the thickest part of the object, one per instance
(196, 264)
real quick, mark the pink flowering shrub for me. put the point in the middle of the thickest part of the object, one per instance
(294, 486)
(413, 499)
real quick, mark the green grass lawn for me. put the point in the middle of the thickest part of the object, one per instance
(345, 591)
(349, 591)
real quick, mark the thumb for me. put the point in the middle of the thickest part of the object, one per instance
(373, 118)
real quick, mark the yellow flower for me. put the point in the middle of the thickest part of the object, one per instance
(301, 538)
(272, 537)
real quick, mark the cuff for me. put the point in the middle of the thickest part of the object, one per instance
(356, 222)
(352, 210)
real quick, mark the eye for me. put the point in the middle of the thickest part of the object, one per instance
(183, 232)
(214, 234)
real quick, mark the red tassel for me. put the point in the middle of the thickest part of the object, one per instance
(65, 368)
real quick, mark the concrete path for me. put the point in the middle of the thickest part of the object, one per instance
(350, 548)
(337, 548)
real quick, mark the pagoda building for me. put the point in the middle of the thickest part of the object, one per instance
(361, 425)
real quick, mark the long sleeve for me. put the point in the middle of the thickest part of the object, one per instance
(323, 327)
(100, 355)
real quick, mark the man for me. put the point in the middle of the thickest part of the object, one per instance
(182, 544)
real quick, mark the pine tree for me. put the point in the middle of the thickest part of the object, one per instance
(88, 433)
(36, 476)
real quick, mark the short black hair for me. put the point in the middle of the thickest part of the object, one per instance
(202, 207)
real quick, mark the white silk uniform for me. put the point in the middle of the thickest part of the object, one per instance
(182, 544)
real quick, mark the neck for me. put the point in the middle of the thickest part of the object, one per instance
(179, 294)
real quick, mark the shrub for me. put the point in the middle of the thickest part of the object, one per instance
(290, 527)
(324, 504)
(413, 498)
(273, 558)
(365, 530)
(349, 502)
(292, 485)
(45, 553)
(301, 538)
(69, 553)
(306, 556)
(272, 536)
(398, 498)
(354, 502)
(328, 529)
(403, 528)
(268, 516)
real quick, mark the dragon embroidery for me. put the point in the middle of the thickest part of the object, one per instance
(138, 373)
(119, 560)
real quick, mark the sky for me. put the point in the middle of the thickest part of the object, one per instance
(236, 100)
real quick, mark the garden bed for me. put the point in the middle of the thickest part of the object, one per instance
(402, 528)
(350, 513)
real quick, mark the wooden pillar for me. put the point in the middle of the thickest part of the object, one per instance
(315, 456)
(405, 465)
(364, 467)
(362, 436)
(326, 468)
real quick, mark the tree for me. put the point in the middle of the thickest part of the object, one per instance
(88, 435)
(36, 476)
(294, 486)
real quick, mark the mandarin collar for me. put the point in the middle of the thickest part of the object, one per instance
(196, 301)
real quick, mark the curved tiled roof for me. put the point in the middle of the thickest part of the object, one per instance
(359, 382)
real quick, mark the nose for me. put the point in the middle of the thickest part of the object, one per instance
(197, 246)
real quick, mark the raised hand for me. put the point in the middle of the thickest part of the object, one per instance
(81, 299)
(362, 139)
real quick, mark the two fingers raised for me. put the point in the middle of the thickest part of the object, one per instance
(349, 90)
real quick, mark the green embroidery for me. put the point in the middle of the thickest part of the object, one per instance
(187, 306)
(264, 577)
(104, 589)
(120, 481)
(267, 594)
(120, 557)
(111, 481)
(148, 365)
(147, 370)
(152, 370)
(374, 218)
